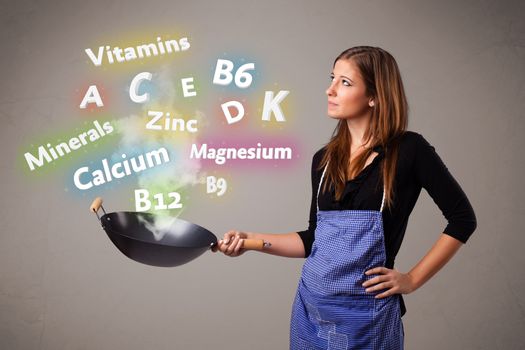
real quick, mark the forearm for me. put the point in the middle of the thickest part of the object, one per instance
(283, 244)
(442, 251)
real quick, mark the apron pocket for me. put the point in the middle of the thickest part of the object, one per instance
(352, 322)
(342, 323)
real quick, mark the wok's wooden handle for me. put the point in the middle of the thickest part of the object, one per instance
(95, 206)
(253, 244)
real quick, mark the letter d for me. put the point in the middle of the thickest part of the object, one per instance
(227, 114)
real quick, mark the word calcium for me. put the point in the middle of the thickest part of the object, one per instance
(99, 177)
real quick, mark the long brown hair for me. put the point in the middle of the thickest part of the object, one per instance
(388, 121)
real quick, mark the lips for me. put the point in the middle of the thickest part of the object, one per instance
(331, 103)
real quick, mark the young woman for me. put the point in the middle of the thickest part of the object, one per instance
(365, 183)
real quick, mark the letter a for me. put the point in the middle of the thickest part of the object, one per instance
(91, 96)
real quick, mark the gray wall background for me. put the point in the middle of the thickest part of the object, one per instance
(63, 285)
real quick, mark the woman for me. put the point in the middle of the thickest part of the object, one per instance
(365, 183)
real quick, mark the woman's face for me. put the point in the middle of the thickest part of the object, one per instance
(346, 93)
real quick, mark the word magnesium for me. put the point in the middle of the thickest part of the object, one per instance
(220, 155)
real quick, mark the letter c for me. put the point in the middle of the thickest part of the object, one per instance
(76, 179)
(134, 88)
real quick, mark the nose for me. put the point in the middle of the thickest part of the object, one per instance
(330, 91)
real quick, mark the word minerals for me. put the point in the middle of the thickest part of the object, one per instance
(48, 153)
(140, 51)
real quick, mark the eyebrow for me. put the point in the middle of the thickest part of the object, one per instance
(343, 77)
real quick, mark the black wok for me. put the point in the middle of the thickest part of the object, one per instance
(140, 238)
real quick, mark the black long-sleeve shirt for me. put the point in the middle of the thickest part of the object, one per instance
(419, 166)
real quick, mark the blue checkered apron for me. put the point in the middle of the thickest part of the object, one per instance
(331, 309)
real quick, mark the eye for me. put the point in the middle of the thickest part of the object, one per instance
(346, 82)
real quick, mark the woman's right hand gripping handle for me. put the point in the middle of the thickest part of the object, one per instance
(232, 243)
(284, 244)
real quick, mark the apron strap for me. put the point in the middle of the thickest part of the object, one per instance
(382, 200)
(321, 181)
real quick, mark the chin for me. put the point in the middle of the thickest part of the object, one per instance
(335, 116)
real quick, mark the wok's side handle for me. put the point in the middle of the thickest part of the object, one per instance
(255, 244)
(96, 205)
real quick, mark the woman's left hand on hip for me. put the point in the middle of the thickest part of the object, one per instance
(393, 281)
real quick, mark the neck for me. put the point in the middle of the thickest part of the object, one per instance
(357, 128)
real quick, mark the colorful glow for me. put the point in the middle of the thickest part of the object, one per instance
(162, 101)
